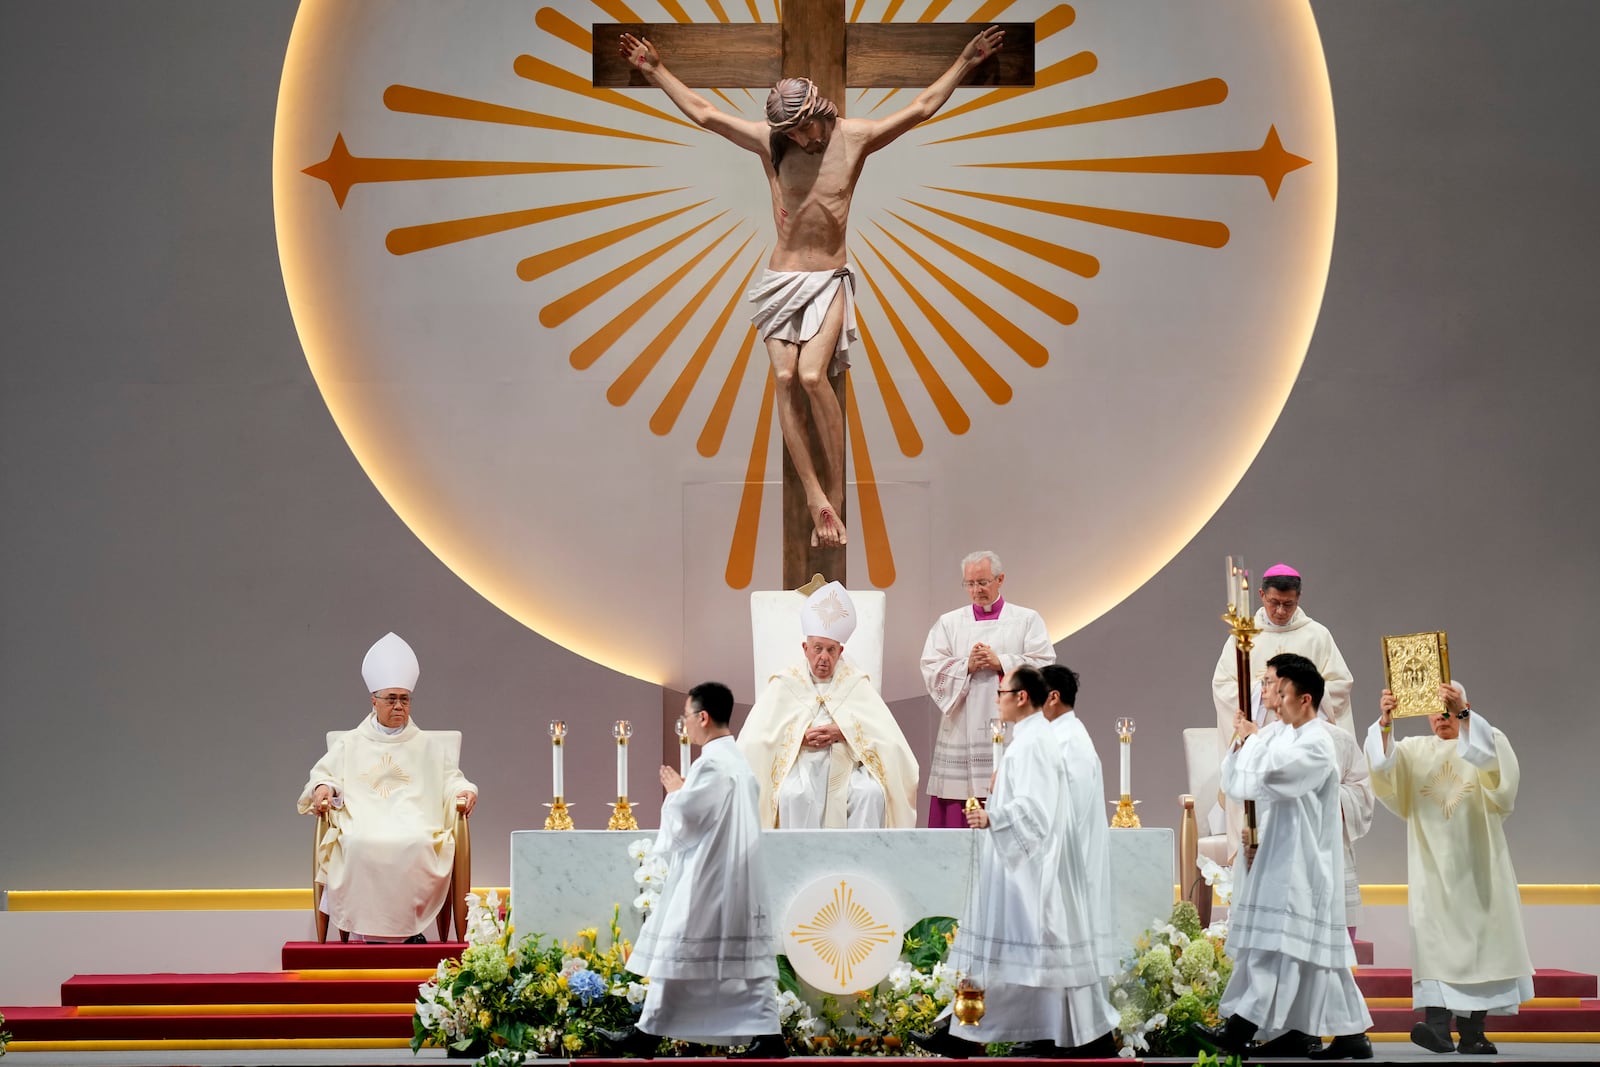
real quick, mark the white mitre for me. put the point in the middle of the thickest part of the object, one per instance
(829, 612)
(390, 664)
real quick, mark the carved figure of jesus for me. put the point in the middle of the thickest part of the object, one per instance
(804, 300)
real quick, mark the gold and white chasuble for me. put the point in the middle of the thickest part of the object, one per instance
(386, 857)
(771, 735)
(1463, 901)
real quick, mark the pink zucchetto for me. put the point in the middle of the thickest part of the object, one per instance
(1280, 570)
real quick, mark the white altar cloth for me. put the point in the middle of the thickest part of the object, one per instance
(563, 881)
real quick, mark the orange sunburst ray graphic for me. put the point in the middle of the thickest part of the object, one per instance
(1057, 307)
(709, 442)
(409, 239)
(1024, 344)
(412, 101)
(1057, 255)
(564, 307)
(1206, 232)
(537, 266)
(343, 171)
(991, 11)
(1271, 163)
(628, 382)
(874, 527)
(995, 387)
(1078, 66)
(742, 550)
(600, 342)
(1204, 93)
(541, 72)
(671, 406)
(949, 408)
(906, 436)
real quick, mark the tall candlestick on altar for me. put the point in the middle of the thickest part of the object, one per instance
(558, 819)
(1125, 816)
(622, 814)
(997, 734)
(683, 747)
(1242, 623)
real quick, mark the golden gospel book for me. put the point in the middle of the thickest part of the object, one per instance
(1414, 667)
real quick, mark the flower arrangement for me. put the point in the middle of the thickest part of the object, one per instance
(507, 998)
(650, 877)
(1175, 978)
(4, 1037)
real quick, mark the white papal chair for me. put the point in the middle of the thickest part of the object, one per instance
(455, 902)
(1205, 776)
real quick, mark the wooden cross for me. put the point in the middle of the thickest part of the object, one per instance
(813, 40)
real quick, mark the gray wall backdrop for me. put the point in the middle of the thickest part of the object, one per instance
(193, 563)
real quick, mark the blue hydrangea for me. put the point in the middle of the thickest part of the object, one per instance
(586, 986)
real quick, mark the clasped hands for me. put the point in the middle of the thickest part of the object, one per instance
(322, 800)
(1243, 727)
(822, 736)
(983, 658)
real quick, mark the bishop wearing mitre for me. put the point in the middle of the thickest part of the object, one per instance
(390, 791)
(824, 746)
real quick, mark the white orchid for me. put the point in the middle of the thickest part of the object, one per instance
(641, 848)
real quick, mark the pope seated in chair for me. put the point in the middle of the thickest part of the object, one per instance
(390, 792)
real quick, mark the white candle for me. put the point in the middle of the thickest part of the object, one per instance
(622, 766)
(1127, 765)
(555, 765)
(997, 733)
(683, 756)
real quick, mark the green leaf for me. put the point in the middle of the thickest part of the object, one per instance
(925, 943)
(788, 981)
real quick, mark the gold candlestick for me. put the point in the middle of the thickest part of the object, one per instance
(1241, 622)
(558, 819)
(622, 813)
(1125, 818)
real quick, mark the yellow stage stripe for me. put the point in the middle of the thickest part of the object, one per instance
(250, 1009)
(218, 1044)
(1555, 895)
(172, 899)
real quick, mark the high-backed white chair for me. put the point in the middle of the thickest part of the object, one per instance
(775, 635)
(1205, 775)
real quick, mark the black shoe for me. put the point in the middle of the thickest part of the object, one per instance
(941, 1042)
(1104, 1047)
(1345, 1047)
(1433, 1033)
(765, 1047)
(1476, 1045)
(630, 1042)
(1034, 1050)
(1290, 1045)
(415, 939)
(1233, 1036)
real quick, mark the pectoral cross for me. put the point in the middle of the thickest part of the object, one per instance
(812, 40)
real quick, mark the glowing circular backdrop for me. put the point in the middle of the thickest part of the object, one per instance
(1082, 306)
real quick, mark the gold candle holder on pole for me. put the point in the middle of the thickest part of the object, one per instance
(622, 813)
(1125, 818)
(558, 819)
(1241, 622)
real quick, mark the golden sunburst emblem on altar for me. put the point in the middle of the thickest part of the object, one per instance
(521, 295)
(843, 934)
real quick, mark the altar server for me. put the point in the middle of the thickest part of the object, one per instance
(390, 791)
(1014, 939)
(1286, 928)
(707, 947)
(1085, 870)
(824, 747)
(967, 653)
(1469, 955)
(1285, 627)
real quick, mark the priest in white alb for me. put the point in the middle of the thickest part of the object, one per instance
(1469, 954)
(1286, 928)
(967, 654)
(1014, 940)
(390, 792)
(1085, 871)
(824, 747)
(1285, 627)
(707, 947)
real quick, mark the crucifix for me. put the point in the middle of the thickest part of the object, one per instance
(813, 40)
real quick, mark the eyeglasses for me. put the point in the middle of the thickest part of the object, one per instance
(1010, 690)
(979, 583)
(392, 700)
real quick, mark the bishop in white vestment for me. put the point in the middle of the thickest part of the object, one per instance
(1285, 627)
(708, 946)
(1469, 954)
(967, 653)
(390, 792)
(824, 747)
(1286, 927)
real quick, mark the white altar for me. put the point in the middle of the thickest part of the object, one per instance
(565, 881)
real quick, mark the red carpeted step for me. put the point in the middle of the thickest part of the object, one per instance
(1363, 953)
(1584, 1018)
(1396, 982)
(335, 955)
(250, 987)
(65, 1024)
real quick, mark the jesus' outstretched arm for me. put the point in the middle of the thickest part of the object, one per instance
(928, 102)
(642, 55)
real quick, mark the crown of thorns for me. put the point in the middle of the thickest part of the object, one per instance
(803, 114)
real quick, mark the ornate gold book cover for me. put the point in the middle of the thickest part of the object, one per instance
(1414, 667)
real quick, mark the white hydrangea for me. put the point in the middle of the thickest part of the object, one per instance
(900, 976)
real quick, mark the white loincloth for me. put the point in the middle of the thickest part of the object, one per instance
(791, 304)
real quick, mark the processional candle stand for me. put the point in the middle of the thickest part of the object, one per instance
(622, 813)
(1241, 620)
(684, 759)
(558, 819)
(1125, 818)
